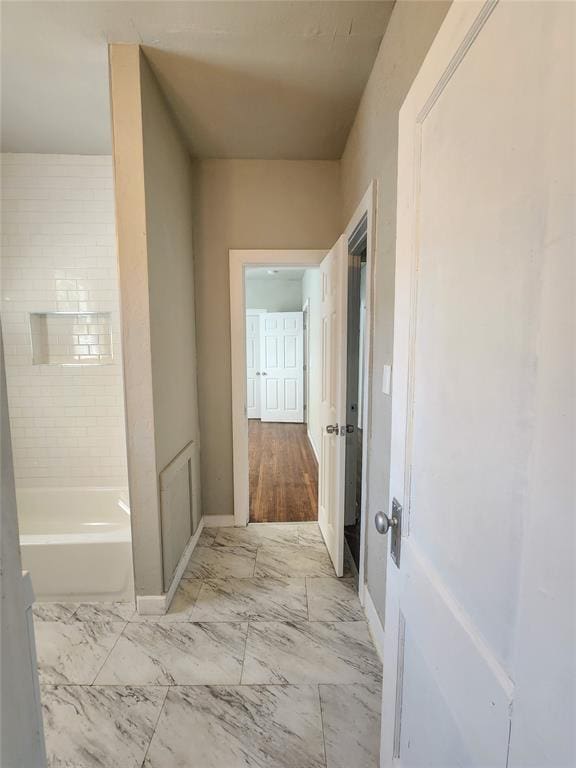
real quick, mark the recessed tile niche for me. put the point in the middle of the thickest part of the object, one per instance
(70, 338)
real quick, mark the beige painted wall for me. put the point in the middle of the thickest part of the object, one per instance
(371, 153)
(245, 204)
(154, 229)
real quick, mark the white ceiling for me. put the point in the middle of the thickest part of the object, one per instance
(246, 79)
(275, 273)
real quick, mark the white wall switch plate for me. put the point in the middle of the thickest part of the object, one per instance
(387, 379)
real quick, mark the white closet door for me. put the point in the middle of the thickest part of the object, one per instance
(253, 365)
(282, 358)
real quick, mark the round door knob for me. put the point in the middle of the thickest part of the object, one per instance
(264, 373)
(257, 373)
(332, 429)
(383, 523)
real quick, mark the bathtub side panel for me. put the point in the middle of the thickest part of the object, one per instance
(88, 571)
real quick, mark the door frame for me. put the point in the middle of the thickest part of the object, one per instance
(240, 260)
(366, 207)
(306, 352)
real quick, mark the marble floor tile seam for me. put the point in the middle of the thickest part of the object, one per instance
(301, 540)
(229, 688)
(186, 621)
(128, 686)
(161, 709)
(101, 667)
(322, 718)
(245, 647)
(104, 685)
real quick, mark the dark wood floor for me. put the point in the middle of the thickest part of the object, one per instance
(283, 473)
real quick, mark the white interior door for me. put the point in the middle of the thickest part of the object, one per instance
(479, 663)
(253, 365)
(333, 310)
(282, 356)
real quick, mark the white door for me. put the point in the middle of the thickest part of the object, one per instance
(333, 310)
(253, 365)
(479, 663)
(282, 357)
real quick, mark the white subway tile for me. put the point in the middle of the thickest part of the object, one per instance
(58, 253)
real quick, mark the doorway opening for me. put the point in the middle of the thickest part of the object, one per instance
(336, 417)
(355, 356)
(282, 365)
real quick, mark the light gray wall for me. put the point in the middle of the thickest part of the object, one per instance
(168, 188)
(371, 153)
(21, 737)
(246, 204)
(153, 182)
(311, 292)
(275, 295)
(130, 198)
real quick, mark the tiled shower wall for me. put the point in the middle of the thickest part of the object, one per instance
(58, 255)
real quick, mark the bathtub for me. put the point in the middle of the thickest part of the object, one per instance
(76, 543)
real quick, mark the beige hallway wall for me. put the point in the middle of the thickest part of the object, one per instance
(371, 153)
(245, 204)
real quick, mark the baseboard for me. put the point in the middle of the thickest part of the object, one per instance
(27, 590)
(219, 521)
(182, 563)
(314, 449)
(158, 605)
(362, 589)
(151, 605)
(374, 623)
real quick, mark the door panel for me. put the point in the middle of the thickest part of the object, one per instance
(480, 185)
(253, 365)
(333, 274)
(290, 352)
(282, 338)
(290, 395)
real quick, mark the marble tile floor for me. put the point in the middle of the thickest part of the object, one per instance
(264, 661)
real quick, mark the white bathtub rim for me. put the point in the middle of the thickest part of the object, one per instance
(38, 539)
